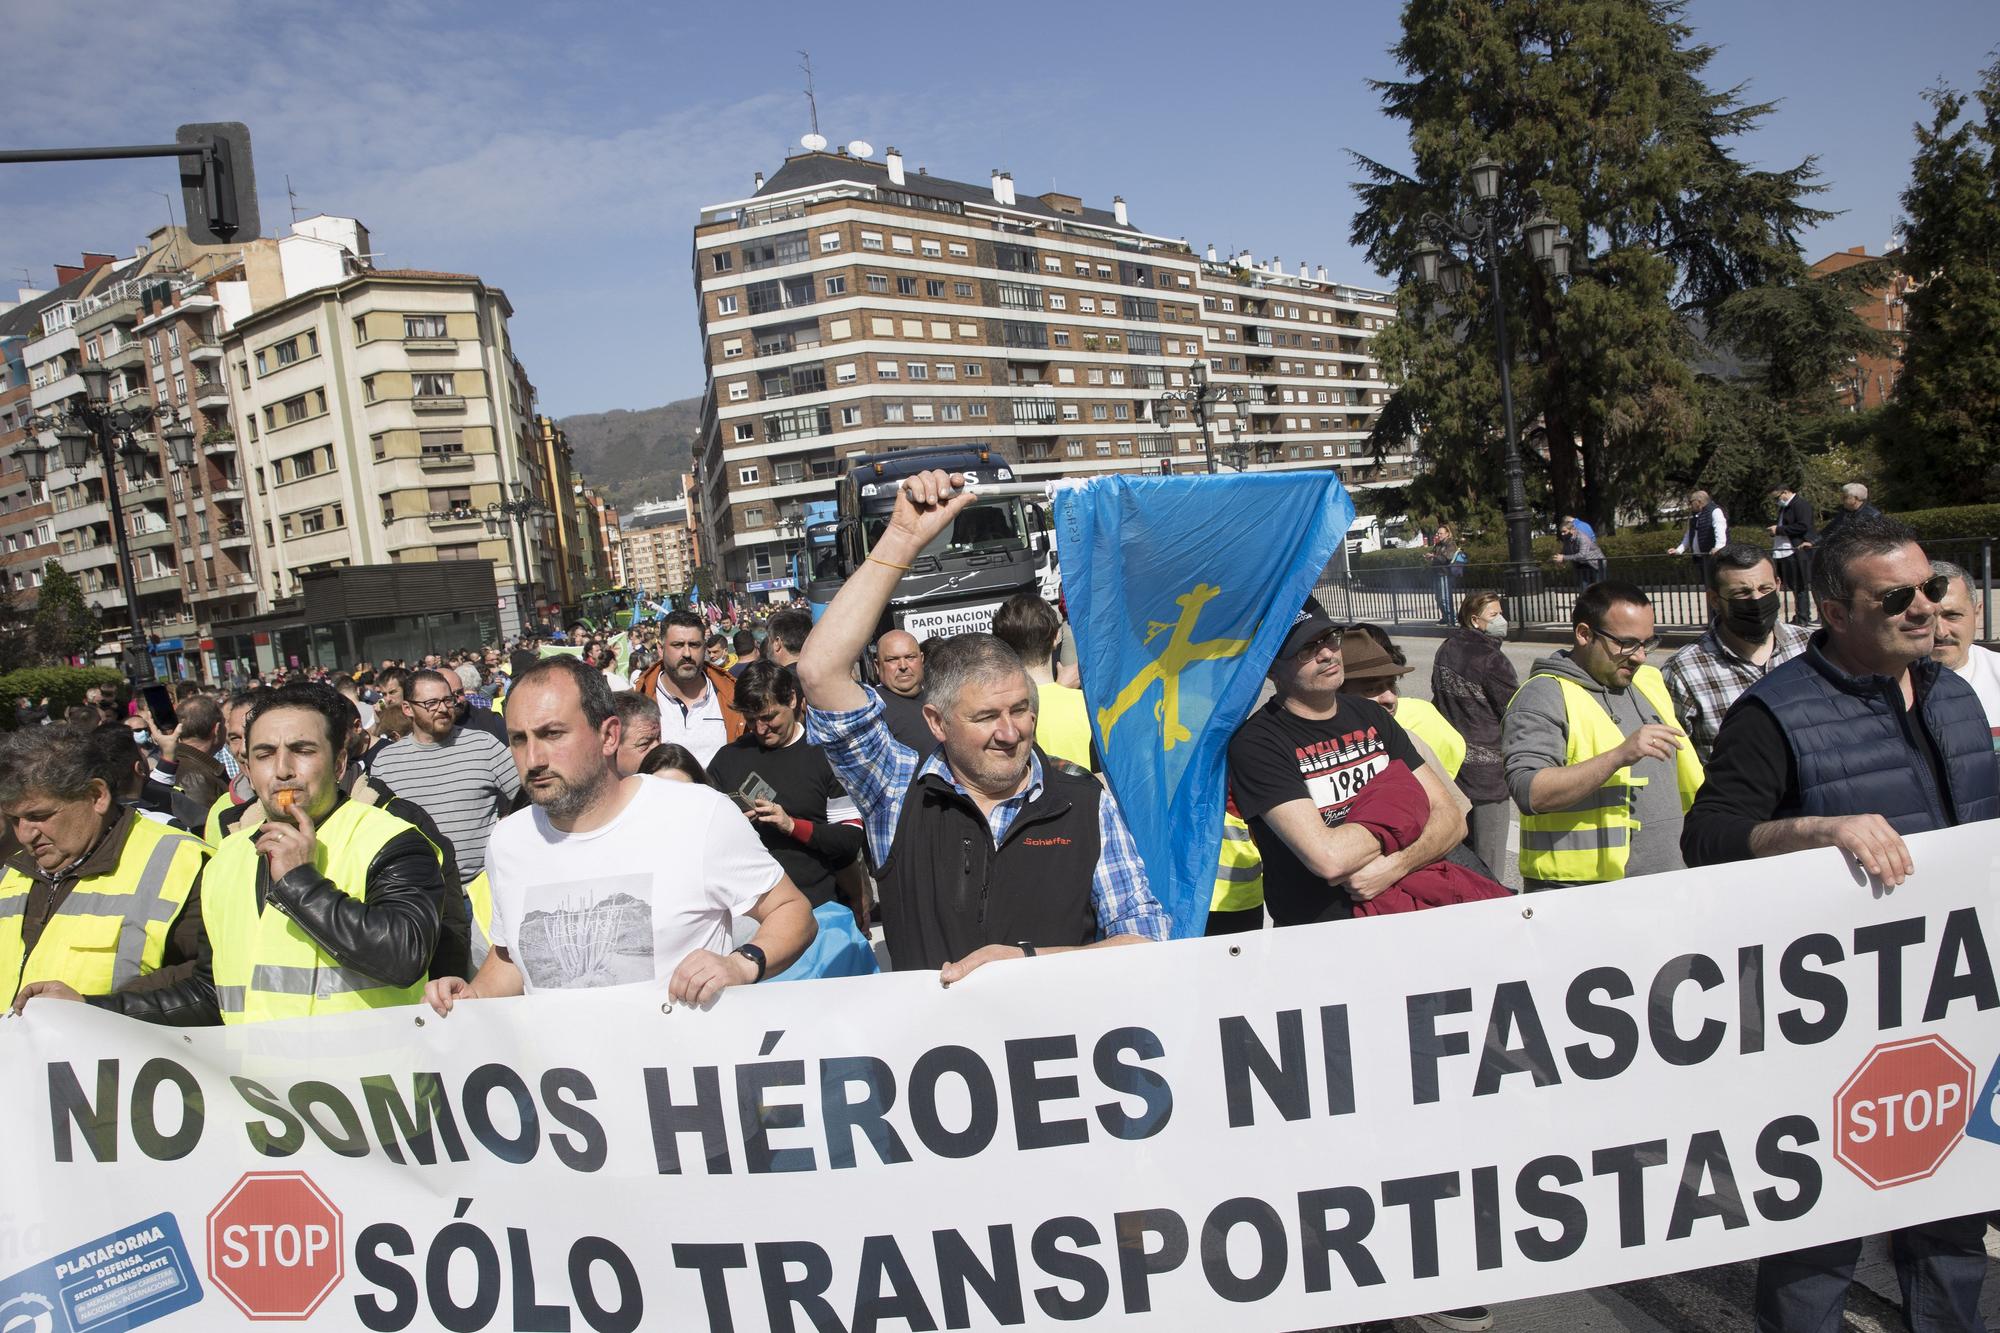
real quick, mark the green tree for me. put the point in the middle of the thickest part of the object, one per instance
(1946, 406)
(65, 622)
(1599, 113)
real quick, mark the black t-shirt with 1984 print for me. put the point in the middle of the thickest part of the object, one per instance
(1276, 757)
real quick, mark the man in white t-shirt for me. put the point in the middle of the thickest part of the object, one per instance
(1961, 623)
(584, 894)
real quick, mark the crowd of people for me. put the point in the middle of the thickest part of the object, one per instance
(701, 806)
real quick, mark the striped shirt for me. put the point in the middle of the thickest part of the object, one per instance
(464, 782)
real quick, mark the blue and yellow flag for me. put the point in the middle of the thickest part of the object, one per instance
(1180, 590)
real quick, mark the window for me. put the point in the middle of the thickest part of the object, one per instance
(953, 412)
(745, 432)
(726, 305)
(933, 287)
(947, 371)
(974, 370)
(1094, 377)
(1083, 268)
(153, 345)
(978, 411)
(180, 388)
(888, 370)
(432, 385)
(739, 390)
(722, 261)
(1074, 448)
(1065, 375)
(1086, 304)
(424, 326)
(1052, 263)
(871, 240)
(753, 517)
(850, 416)
(962, 290)
(1104, 448)
(829, 241)
(882, 328)
(1060, 338)
(940, 329)
(844, 373)
(906, 286)
(931, 249)
(836, 285)
(901, 245)
(747, 476)
(1098, 412)
(921, 412)
(878, 282)
(1072, 412)
(367, 388)
(958, 251)
(840, 328)
(732, 347)
(920, 370)
(1057, 301)
(892, 413)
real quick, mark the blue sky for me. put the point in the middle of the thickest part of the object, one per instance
(561, 151)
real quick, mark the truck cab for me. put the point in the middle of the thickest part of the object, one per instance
(998, 546)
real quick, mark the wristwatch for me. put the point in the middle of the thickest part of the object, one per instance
(1027, 949)
(755, 955)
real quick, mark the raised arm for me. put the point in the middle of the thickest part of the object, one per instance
(925, 507)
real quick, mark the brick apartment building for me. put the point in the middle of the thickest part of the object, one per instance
(850, 305)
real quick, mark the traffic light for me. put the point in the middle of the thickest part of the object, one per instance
(1166, 467)
(218, 187)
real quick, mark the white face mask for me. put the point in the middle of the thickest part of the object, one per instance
(142, 736)
(1497, 627)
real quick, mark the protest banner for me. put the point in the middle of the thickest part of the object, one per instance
(1274, 1131)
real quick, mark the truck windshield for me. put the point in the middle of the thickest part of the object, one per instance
(998, 524)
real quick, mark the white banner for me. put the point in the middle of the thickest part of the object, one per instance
(1273, 1131)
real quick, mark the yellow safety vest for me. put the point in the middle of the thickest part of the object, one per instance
(265, 965)
(1591, 841)
(1239, 877)
(111, 929)
(479, 895)
(1435, 730)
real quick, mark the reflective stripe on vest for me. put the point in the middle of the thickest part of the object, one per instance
(266, 966)
(1590, 841)
(1239, 873)
(103, 938)
(479, 897)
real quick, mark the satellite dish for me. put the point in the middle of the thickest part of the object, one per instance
(860, 148)
(814, 142)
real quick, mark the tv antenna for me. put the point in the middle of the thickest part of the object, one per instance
(292, 196)
(812, 102)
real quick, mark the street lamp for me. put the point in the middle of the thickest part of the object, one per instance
(1481, 231)
(93, 426)
(791, 527)
(1198, 395)
(519, 510)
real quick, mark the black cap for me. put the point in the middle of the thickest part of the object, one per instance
(1312, 622)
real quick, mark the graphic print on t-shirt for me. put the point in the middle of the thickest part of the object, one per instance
(589, 933)
(1337, 769)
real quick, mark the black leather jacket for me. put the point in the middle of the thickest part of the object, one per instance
(391, 936)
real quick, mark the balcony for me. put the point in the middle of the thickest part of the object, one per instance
(146, 541)
(227, 489)
(213, 393)
(443, 460)
(145, 490)
(426, 343)
(438, 402)
(233, 535)
(202, 349)
(218, 442)
(130, 354)
(1034, 411)
(455, 518)
(159, 584)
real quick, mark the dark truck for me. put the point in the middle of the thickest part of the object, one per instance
(1000, 545)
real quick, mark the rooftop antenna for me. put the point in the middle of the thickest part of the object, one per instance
(173, 239)
(292, 197)
(812, 102)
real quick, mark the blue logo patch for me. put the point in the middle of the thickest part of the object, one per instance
(120, 1281)
(1982, 1123)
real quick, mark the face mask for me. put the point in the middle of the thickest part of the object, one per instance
(142, 736)
(1751, 618)
(1497, 627)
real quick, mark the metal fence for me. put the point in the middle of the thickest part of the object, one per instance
(1418, 596)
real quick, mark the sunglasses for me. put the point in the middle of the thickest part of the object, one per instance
(1895, 601)
(1313, 648)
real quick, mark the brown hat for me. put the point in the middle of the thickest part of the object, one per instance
(1366, 662)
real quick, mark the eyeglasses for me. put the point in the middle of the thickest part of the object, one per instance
(432, 705)
(1330, 639)
(1624, 647)
(1895, 601)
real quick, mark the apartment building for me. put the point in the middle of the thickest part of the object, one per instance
(383, 412)
(853, 306)
(559, 467)
(1867, 381)
(656, 547)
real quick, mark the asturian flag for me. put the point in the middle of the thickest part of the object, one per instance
(1180, 590)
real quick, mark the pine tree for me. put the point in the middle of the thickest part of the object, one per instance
(1598, 112)
(65, 622)
(1946, 417)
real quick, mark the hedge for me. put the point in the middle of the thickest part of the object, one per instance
(63, 687)
(1951, 524)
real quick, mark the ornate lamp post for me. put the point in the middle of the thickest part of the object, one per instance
(93, 427)
(498, 513)
(1478, 234)
(1198, 395)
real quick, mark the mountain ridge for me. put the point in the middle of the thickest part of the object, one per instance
(631, 455)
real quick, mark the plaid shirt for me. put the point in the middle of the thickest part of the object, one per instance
(227, 758)
(877, 769)
(1705, 678)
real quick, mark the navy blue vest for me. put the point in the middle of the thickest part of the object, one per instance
(1857, 751)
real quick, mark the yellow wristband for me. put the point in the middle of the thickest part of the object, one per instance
(889, 564)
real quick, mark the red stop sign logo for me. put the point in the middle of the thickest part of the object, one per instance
(1903, 1111)
(274, 1245)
